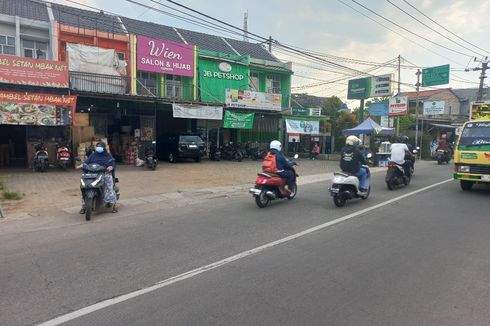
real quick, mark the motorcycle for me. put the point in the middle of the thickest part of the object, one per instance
(41, 162)
(92, 186)
(270, 186)
(345, 186)
(442, 156)
(214, 153)
(150, 157)
(395, 176)
(231, 152)
(63, 156)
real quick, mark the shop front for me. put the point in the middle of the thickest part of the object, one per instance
(28, 118)
(302, 133)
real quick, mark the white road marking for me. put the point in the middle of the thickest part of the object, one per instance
(110, 302)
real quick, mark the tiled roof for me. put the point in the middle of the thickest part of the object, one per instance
(468, 94)
(148, 29)
(87, 19)
(253, 49)
(25, 9)
(423, 94)
(206, 41)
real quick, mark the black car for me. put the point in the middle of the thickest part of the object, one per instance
(173, 147)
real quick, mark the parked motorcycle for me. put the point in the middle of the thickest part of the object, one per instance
(254, 152)
(270, 186)
(231, 152)
(63, 156)
(41, 162)
(92, 186)
(214, 153)
(442, 156)
(150, 157)
(345, 186)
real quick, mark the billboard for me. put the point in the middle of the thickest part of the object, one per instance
(363, 88)
(253, 100)
(434, 107)
(398, 105)
(34, 72)
(164, 57)
(378, 109)
(302, 126)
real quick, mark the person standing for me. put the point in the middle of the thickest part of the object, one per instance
(314, 151)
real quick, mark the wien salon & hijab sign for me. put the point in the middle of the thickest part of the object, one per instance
(165, 57)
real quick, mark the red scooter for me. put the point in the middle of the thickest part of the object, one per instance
(270, 186)
(63, 156)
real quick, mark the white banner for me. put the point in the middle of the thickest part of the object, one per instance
(384, 122)
(302, 126)
(398, 105)
(197, 112)
(253, 100)
(434, 107)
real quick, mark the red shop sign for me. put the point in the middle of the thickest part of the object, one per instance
(35, 72)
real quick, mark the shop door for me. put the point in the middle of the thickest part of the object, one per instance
(13, 149)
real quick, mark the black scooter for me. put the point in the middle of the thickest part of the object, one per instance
(92, 186)
(150, 157)
(41, 162)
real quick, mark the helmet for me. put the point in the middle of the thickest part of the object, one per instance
(276, 144)
(353, 141)
(403, 139)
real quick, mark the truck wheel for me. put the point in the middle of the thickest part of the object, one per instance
(466, 185)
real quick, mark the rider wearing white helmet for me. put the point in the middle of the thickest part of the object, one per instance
(351, 161)
(284, 166)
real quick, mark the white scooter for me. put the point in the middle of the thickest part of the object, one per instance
(345, 186)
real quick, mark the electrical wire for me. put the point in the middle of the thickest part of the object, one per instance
(432, 29)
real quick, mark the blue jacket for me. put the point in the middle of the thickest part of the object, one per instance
(104, 159)
(282, 163)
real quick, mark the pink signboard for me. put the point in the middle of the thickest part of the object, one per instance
(165, 57)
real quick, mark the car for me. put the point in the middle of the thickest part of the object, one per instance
(178, 146)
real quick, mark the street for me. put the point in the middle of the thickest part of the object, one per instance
(420, 260)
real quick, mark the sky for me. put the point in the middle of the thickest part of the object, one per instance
(332, 28)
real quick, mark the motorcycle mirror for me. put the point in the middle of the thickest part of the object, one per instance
(296, 156)
(369, 155)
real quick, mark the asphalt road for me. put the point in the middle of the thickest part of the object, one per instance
(419, 260)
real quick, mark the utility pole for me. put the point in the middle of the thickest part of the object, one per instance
(245, 26)
(270, 44)
(399, 91)
(418, 73)
(484, 67)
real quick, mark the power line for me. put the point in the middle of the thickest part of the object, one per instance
(399, 34)
(407, 30)
(447, 30)
(432, 29)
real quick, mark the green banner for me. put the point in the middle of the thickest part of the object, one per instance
(239, 120)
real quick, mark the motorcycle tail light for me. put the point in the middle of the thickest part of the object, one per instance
(391, 165)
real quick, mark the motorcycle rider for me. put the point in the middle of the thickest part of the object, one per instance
(283, 165)
(102, 157)
(351, 161)
(401, 154)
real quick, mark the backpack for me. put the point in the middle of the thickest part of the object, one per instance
(269, 163)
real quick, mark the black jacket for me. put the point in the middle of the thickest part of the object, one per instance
(351, 159)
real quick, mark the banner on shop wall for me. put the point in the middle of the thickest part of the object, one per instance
(253, 100)
(434, 107)
(165, 57)
(302, 126)
(238, 120)
(398, 105)
(197, 112)
(36, 109)
(35, 72)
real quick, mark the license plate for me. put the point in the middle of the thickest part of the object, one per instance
(485, 177)
(192, 146)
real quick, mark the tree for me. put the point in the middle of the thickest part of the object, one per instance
(345, 120)
(331, 108)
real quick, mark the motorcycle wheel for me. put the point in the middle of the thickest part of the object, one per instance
(390, 184)
(262, 200)
(293, 192)
(367, 194)
(406, 181)
(171, 158)
(89, 204)
(439, 161)
(339, 200)
(153, 166)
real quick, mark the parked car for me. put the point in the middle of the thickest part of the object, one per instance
(173, 147)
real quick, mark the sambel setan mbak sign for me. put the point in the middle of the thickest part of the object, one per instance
(165, 57)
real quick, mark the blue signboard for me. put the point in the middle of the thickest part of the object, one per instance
(378, 109)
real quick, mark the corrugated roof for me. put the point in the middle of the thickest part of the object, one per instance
(148, 29)
(428, 93)
(253, 49)
(87, 19)
(205, 41)
(25, 9)
(469, 94)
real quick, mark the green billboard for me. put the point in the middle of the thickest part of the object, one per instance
(435, 76)
(238, 120)
(363, 88)
(215, 76)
